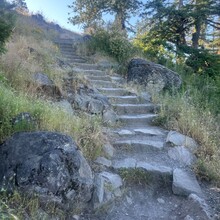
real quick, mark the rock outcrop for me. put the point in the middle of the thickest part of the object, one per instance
(152, 75)
(45, 85)
(46, 164)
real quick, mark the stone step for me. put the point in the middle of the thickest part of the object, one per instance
(67, 49)
(76, 60)
(89, 73)
(156, 170)
(87, 66)
(114, 91)
(131, 99)
(103, 83)
(72, 57)
(142, 119)
(69, 53)
(64, 41)
(106, 78)
(122, 109)
(143, 145)
(147, 131)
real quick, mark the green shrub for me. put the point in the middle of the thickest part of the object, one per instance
(113, 43)
(204, 62)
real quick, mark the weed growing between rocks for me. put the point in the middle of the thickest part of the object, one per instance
(135, 176)
(91, 139)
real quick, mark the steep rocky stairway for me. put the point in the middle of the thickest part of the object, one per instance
(157, 186)
(68, 51)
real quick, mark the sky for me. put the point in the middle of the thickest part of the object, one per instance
(57, 11)
(54, 10)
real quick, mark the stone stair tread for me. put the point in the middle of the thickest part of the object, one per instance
(104, 83)
(125, 99)
(140, 144)
(134, 105)
(106, 78)
(137, 119)
(89, 72)
(137, 116)
(149, 130)
(87, 66)
(114, 91)
(131, 163)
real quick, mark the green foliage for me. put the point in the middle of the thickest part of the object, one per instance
(194, 111)
(6, 24)
(153, 47)
(135, 176)
(113, 43)
(204, 62)
(88, 12)
(85, 130)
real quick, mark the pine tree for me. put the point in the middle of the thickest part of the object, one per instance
(87, 12)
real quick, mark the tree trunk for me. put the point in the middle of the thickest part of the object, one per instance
(120, 20)
(196, 34)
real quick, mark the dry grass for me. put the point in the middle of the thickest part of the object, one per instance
(180, 112)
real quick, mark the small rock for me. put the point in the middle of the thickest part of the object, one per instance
(95, 107)
(201, 203)
(129, 200)
(107, 187)
(161, 201)
(109, 117)
(146, 96)
(103, 161)
(24, 119)
(185, 183)
(66, 106)
(182, 154)
(188, 217)
(46, 85)
(177, 139)
(108, 150)
(76, 217)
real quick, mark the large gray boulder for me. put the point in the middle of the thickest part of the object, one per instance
(152, 75)
(47, 164)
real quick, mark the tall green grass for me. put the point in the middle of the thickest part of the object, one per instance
(85, 130)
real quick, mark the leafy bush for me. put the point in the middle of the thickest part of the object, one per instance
(113, 43)
(204, 62)
(153, 48)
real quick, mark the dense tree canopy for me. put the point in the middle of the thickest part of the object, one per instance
(182, 22)
(86, 12)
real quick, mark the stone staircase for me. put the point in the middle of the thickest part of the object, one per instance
(68, 51)
(171, 190)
